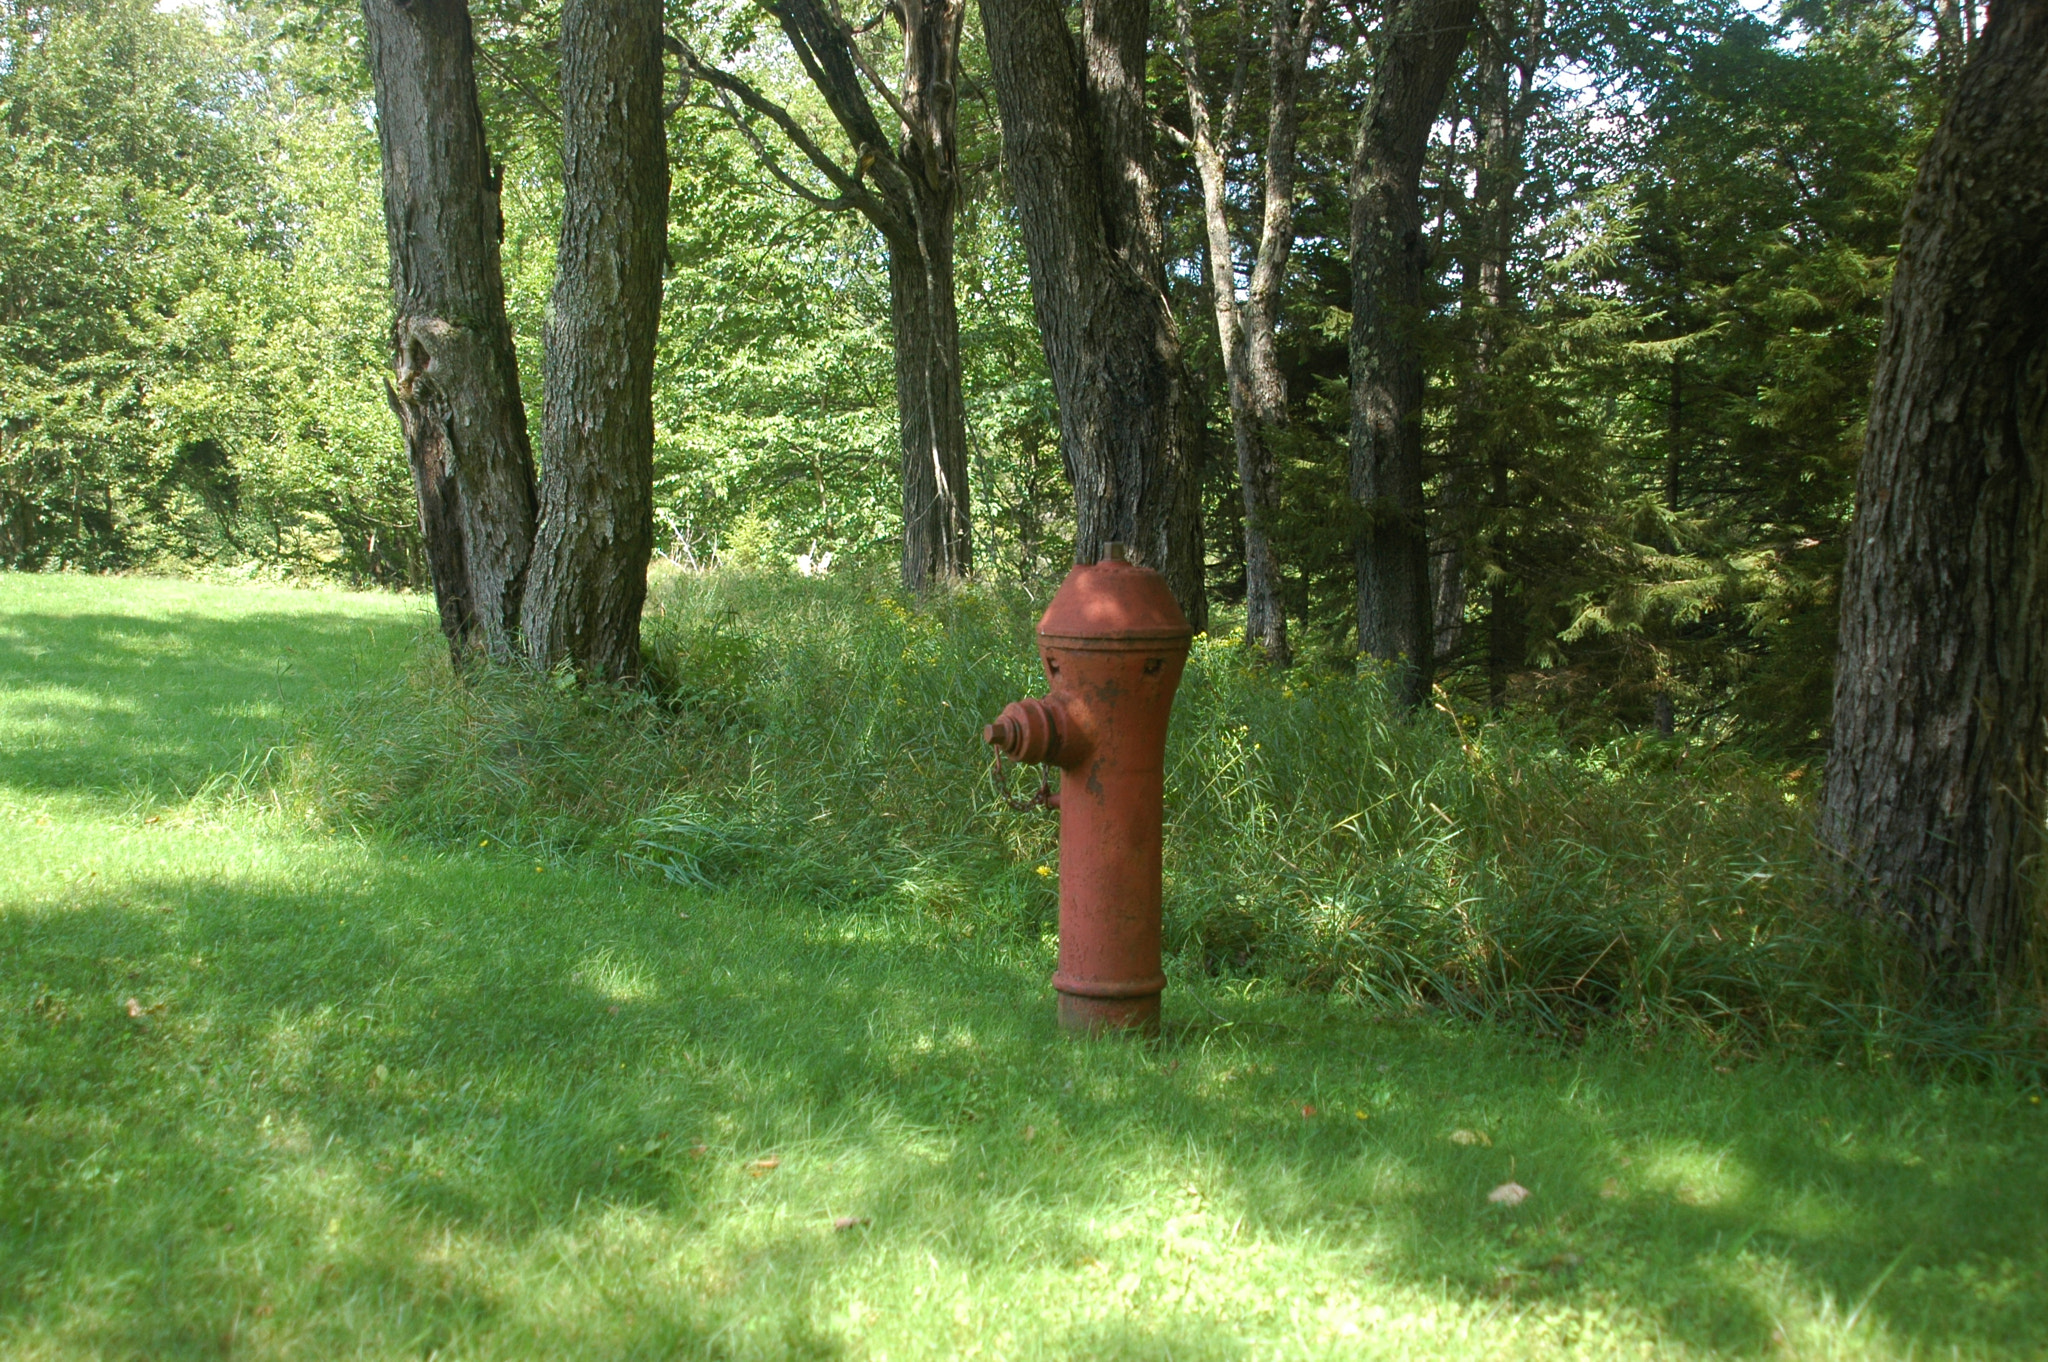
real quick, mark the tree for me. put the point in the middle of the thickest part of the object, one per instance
(1247, 335)
(1417, 56)
(559, 574)
(132, 200)
(455, 384)
(1935, 792)
(596, 527)
(1077, 144)
(911, 194)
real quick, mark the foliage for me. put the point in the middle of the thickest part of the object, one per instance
(819, 739)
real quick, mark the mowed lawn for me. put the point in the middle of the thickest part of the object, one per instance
(266, 1091)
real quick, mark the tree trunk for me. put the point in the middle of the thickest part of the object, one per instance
(1077, 142)
(1513, 48)
(1417, 57)
(455, 375)
(1934, 795)
(938, 540)
(937, 534)
(596, 527)
(1246, 336)
(911, 196)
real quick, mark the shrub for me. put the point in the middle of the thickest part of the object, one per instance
(821, 738)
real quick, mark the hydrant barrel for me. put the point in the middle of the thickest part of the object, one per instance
(1113, 643)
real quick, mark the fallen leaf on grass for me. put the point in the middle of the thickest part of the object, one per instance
(850, 1222)
(1508, 1194)
(1471, 1137)
(761, 1168)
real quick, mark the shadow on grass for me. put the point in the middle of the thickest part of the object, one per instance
(424, 1103)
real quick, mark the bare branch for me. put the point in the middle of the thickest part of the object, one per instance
(847, 183)
(771, 165)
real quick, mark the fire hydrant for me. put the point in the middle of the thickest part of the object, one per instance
(1114, 642)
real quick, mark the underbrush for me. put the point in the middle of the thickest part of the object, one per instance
(821, 739)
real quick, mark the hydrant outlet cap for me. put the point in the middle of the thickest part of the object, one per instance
(1114, 601)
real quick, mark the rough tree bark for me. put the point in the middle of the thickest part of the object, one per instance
(1934, 795)
(1077, 143)
(911, 194)
(1247, 335)
(596, 530)
(1417, 56)
(455, 375)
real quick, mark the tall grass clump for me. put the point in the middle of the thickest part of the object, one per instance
(822, 738)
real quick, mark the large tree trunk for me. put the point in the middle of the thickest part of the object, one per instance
(1934, 795)
(455, 376)
(1246, 336)
(596, 529)
(1077, 142)
(1417, 57)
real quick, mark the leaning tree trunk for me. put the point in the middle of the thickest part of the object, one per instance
(596, 525)
(455, 376)
(1934, 795)
(1077, 143)
(1417, 57)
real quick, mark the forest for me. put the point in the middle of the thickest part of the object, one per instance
(1654, 246)
(514, 516)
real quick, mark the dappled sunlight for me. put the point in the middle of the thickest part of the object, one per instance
(335, 1095)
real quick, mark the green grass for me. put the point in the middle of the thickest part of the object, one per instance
(409, 1097)
(149, 689)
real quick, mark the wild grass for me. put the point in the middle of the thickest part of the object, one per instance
(821, 738)
(269, 1089)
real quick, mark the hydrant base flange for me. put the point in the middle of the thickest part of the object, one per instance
(1101, 1016)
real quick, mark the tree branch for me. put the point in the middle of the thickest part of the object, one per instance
(851, 192)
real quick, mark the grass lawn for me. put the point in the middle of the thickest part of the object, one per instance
(268, 1093)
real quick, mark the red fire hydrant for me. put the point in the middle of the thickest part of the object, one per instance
(1114, 642)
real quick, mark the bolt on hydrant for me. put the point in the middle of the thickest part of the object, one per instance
(1114, 643)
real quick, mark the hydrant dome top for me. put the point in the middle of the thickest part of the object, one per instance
(1112, 601)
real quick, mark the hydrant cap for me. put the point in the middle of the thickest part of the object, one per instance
(1114, 602)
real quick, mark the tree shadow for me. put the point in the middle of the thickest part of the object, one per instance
(458, 1050)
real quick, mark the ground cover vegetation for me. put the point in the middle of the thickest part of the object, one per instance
(274, 1089)
(1544, 340)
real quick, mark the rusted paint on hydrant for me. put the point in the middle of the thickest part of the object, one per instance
(1114, 643)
